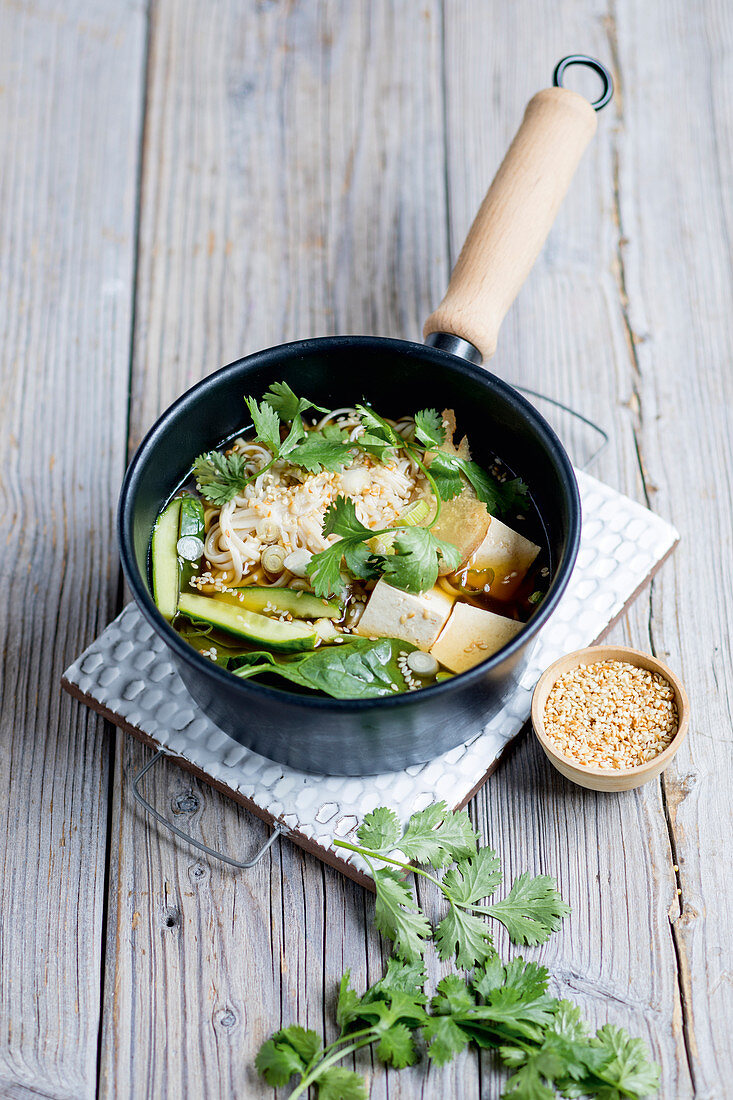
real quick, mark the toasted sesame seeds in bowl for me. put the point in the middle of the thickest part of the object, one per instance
(609, 718)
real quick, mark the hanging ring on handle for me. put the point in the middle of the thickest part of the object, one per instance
(279, 830)
(590, 63)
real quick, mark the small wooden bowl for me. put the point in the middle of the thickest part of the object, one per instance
(608, 779)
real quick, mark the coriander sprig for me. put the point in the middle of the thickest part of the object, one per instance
(387, 1015)
(412, 567)
(531, 911)
(221, 477)
(542, 1041)
(449, 470)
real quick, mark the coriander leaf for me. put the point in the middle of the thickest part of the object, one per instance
(626, 1064)
(341, 519)
(499, 497)
(530, 1082)
(488, 977)
(348, 1002)
(452, 997)
(378, 427)
(390, 1007)
(512, 1056)
(429, 428)
(445, 474)
(277, 1062)
(516, 997)
(568, 1023)
(568, 1040)
(373, 445)
(464, 935)
(445, 1039)
(317, 453)
(513, 494)
(437, 835)
(292, 441)
(380, 830)
(266, 423)
(396, 1047)
(324, 571)
(360, 560)
(306, 1043)
(288, 1051)
(397, 917)
(334, 434)
(517, 1007)
(220, 477)
(474, 878)
(338, 1083)
(414, 568)
(390, 1022)
(406, 977)
(283, 401)
(525, 979)
(531, 910)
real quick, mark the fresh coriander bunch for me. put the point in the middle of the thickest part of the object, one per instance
(542, 1041)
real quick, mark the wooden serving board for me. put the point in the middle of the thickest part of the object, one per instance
(127, 677)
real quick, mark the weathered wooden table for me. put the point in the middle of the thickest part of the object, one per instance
(184, 184)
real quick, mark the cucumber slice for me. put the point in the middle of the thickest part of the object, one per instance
(165, 559)
(301, 605)
(192, 518)
(288, 637)
(191, 527)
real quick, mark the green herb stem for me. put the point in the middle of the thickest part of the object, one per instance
(369, 855)
(325, 1063)
(431, 481)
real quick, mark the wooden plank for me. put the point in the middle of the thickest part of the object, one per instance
(566, 336)
(292, 186)
(71, 104)
(675, 167)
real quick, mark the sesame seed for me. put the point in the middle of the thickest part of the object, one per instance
(611, 714)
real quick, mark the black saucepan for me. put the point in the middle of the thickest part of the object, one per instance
(365, 736)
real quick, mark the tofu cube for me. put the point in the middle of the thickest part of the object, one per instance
(508, 554)
(391, 613)
(471, 635)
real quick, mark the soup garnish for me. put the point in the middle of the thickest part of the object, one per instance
(324, 548)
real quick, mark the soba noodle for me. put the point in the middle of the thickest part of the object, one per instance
(295, 503)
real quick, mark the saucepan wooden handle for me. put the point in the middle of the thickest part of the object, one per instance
(515, 217)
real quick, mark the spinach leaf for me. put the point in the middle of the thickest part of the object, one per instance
(359, 669)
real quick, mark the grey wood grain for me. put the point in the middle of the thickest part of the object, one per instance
(312, 168)
(71, 110)
(674, 172)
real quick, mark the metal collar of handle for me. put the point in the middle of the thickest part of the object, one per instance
(456, 345)
(589, 63)
(279, 830)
